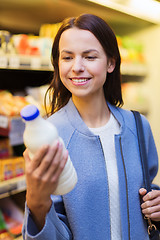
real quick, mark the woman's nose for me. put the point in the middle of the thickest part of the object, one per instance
(78, 65)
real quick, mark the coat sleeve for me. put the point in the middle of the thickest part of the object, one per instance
(152, 155)
(152, 158)
(56, 225)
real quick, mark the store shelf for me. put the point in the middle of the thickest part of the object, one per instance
(19, 238)
(4, 125)
(12, 186)
(134, 10)
(27, 16)
(12, 127)
(134, 69)
(17, 79)
(24, 62)
(33, 63)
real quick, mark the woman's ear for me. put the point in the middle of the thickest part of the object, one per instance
(111, 65)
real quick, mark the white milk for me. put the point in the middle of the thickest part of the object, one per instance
(38, 132)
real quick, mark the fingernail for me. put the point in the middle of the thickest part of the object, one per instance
(60, 145)
(46, 146)
(141, 190)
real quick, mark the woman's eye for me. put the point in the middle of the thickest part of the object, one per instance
(91, 57)
(67, 58)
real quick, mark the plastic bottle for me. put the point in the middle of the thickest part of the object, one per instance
(37, 132)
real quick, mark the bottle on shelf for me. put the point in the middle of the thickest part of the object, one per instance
(39, 131)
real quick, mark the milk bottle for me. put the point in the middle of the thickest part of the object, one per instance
(37, 132)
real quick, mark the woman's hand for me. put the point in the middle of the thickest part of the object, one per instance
(151, 204)
(42, 174)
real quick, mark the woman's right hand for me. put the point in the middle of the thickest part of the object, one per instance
(42, 174)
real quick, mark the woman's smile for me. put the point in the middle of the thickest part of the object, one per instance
(80, 81)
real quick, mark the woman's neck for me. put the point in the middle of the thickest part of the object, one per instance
(95, 112)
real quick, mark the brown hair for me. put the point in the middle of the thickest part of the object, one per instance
(112, 87)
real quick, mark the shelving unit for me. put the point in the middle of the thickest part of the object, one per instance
(26, 75)
(124, 20)
(12, 186)
(19, 238)
(18, 79)
(32, 63)
(30, 74)
(22, 71)
(24, 62)
(136, 69)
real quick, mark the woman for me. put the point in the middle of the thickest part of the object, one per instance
(102, 143)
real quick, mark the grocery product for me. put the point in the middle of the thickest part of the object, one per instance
(37, 132)
(11, 105)
(11, 167)
(12, 217)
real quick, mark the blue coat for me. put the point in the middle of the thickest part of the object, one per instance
(84, 214)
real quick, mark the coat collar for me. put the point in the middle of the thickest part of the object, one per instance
(79, 124)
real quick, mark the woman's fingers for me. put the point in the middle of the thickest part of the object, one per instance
(55, 163)
(60, 167)
(41, 160)
(46, 165)
(151, 195)
(36, 160)
(151, 204)
(150, 210)
(142, 191)
(54, 153)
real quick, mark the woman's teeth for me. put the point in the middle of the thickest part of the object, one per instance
(80, 80)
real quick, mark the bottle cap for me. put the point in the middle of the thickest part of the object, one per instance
(29, 112)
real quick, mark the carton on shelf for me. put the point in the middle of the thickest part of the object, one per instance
(11, 168)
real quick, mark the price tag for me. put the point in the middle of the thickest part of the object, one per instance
(35, 63)
(3, 121)
(3, 62)
(14, 62)
(16, 131)
(21, 184)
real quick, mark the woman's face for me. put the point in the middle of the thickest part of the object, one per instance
(83, 64)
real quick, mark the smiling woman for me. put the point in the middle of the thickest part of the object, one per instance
(83, 63)
(101, 139)
(72, 50)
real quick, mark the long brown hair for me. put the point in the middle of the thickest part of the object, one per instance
(59, 94)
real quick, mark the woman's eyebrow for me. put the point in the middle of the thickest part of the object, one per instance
(85, 52)
(66, 51)
(90, 50)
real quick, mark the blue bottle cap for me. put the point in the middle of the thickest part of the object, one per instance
(29, 112)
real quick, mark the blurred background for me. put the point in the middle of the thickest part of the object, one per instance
(27, 30)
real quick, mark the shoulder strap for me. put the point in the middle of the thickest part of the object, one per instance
(152, 230)
(142, 150)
